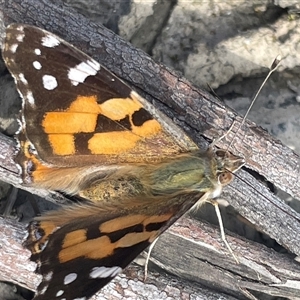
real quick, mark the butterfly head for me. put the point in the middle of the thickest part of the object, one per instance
(227, 164)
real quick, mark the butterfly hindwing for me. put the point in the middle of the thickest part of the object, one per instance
(77, 257)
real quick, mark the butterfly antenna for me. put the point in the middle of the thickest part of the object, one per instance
(273, 68)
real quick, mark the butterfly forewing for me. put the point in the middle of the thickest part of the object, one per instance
(73, 106)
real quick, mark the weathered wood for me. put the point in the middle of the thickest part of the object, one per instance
(195, 111)
(200, 256)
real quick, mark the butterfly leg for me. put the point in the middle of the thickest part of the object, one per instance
(218, 213)
(148, 258)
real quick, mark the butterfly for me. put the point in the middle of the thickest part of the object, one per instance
(86, 133)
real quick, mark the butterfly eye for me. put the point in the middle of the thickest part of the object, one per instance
(225, 178)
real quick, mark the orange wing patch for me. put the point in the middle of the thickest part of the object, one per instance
(82, 117)
(77, 244)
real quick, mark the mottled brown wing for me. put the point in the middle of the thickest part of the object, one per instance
(80, 249)
(76, 112)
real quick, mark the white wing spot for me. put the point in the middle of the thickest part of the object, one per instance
(37, 51)
(44, 245)
(13, 48)
(79, 73)
(43, 290)
(30, 98)
(23, 79)
(104, 272)
(70, 278)
(59, 293)
(37, 65)
(48, 276)
(20, 37)
(82, 298)
(50, 41)
(49, 82)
